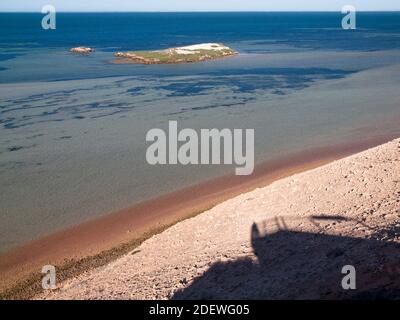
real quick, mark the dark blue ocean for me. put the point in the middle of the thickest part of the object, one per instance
(72, 128)
(124, 31)
(20, 33)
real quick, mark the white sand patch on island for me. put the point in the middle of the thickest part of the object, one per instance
(197, 47)
(287, 240)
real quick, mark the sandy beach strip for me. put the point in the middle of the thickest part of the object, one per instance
(101, 240)
(289, 239)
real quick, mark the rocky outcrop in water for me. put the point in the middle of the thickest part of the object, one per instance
(82, 50)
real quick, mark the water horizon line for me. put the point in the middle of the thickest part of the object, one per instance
(208, 11)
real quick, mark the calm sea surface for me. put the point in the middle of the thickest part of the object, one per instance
(72, 128)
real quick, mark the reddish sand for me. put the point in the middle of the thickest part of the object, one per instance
(111, 230)
(293, 239)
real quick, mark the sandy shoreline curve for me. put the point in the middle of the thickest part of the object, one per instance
(99, 241)
(293, 239)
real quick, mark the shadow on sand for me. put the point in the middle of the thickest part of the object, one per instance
(304, 265)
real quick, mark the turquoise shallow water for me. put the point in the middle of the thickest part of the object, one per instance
(72, 128)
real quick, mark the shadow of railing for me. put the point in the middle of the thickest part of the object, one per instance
(304, 265)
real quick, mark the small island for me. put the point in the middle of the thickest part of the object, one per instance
(187, 54)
